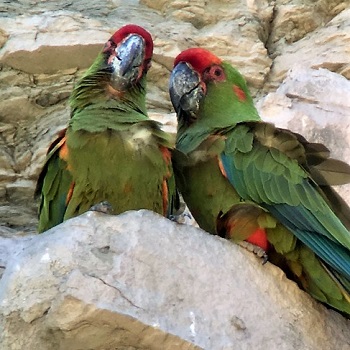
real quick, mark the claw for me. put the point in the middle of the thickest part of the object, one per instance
(103, 207)
(183, 218)
(256, 250)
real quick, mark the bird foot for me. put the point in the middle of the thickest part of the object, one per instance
(172, 217)
(256, 250)
(103, 207)
(181, 218)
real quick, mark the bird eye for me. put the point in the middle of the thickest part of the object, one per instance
(217, 72)
(214, 73)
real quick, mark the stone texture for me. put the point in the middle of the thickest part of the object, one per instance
(138, 280)
(325, 47)
(293, 20)
(46, 45)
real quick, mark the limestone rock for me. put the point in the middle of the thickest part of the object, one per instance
(325, 47)
(45, 46)
(31, 48)
(138, 280)
(293, 20)
(3, 37)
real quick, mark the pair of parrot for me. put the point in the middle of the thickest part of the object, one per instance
(241, 178)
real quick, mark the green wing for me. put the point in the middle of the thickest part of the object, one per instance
(264, 164)
(53, 186)
(326, 172)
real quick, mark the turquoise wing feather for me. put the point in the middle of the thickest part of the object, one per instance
(280, 184)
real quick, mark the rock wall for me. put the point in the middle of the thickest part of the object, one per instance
(46, 45)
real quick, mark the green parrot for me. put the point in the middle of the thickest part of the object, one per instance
(251, 182)
(111, 152)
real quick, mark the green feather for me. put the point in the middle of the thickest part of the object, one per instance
(53, 186)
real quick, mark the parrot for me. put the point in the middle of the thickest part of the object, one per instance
(111, 157)
(263, 187)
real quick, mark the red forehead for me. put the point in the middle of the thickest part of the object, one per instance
(123, 32)
(198, 58)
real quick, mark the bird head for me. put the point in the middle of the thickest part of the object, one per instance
(202, 86)
(128, 55)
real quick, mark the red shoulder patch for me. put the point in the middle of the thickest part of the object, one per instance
(63, 149)
(239, 93)
(166, 154)
(221, 167)
(259, 238)
(70, 193)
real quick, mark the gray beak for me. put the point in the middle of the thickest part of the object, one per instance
(185, 89)
(129, 58)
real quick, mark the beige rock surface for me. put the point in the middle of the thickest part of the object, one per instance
(325, 47)
(141, 281)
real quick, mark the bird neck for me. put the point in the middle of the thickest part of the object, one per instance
(95, 105)
(220, 110)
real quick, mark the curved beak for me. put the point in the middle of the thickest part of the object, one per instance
(128, 62)
(185, 89)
